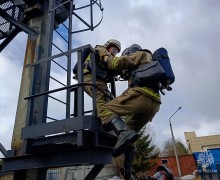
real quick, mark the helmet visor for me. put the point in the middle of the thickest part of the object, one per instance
(113, 50)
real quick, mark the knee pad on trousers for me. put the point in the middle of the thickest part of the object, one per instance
(115, 124)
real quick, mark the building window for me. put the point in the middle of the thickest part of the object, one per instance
(164, 161)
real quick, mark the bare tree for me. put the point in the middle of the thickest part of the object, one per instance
(168, 148)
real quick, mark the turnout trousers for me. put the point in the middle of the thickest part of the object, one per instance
(101, 98)
(137, 107)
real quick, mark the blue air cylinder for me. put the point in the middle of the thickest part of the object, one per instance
(161, 55)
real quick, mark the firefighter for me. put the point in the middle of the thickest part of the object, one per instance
(110, 48)
(140, 103)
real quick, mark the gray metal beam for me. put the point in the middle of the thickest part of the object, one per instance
(77, 156)
(80, 90)
(94, 90)
(71, 124)
(69, 61)
(59, 55)
(34, 80)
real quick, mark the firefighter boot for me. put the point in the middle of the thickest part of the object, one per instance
(128, 160)
(125, 135)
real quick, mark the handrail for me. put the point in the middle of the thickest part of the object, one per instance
(68, 87)
(59, 55)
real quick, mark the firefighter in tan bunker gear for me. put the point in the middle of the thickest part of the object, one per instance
(140, 103)
(110, 48)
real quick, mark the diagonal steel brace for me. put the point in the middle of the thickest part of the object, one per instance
(3, 150)
(20, 25)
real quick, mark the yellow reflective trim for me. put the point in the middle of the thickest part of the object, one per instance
(85, 70)
(150, 92)
(115, 62)
(105, 113)
(86, 61)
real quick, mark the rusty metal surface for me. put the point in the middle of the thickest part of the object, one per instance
(20, 120)
(34, 79)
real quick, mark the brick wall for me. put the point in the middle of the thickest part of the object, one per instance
(187, 164)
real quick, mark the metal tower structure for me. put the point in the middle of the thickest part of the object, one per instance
(41, 141)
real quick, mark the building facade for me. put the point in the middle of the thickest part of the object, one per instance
(206, 151)
(202, 143)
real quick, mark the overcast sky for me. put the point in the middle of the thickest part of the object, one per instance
(189, 30)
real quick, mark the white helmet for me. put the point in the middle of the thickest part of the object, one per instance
(113, 42)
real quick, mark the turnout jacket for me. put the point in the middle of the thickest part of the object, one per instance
(102, 51)
(131, 62)
(102, 70)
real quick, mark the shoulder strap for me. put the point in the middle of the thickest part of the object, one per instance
(85, 53)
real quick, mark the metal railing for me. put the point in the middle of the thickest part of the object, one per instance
(14, 18)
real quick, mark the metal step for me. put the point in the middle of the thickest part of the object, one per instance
(70, 141)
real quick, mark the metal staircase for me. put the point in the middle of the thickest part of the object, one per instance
(47, 141)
